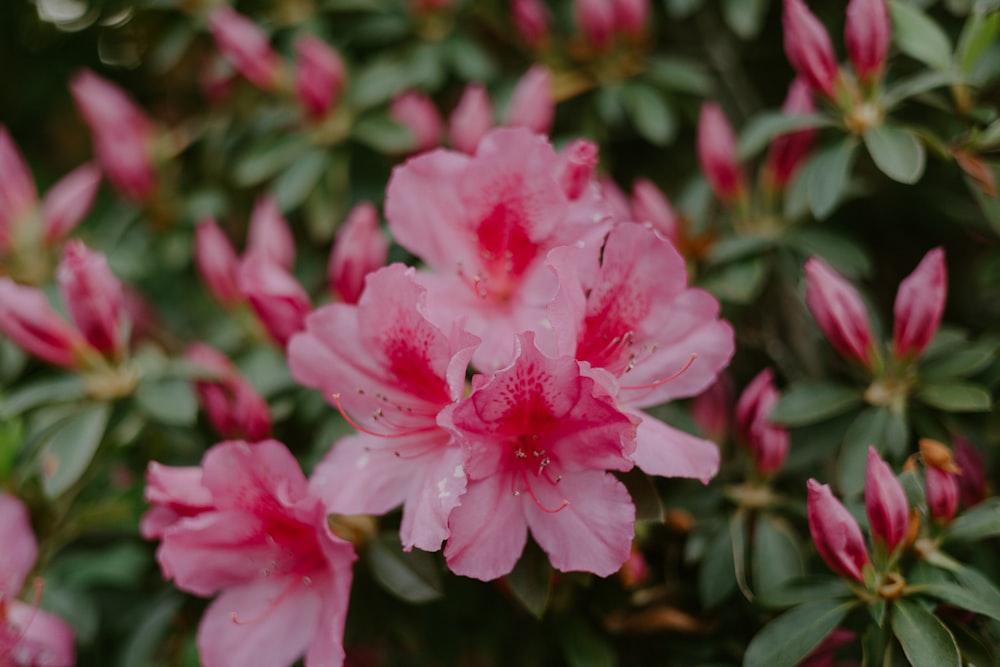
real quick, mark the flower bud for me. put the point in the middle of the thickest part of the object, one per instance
(246, 46)
(941, 489)
(319, 75)
(215, 79)
(634, 571)
(30, 322)
(417, 113)
(717, 153)
(471, 119)
(531, 18)
(17, 187)
(531, 104)
(277, 298)
(596, 19)
(68, 201)
(768, 443)
(233, 406)
(650, 206)
(972, 482)
(885, 502)
(788, 151)
(94, 297)
(835, 533)
(920, 305)
(217, 262)
(839, 311)
(360, 248)
(808, 47)
(631, 16)
(712, 408)
(269, 233)
(866, 34)
(576, 167)
(748, 404)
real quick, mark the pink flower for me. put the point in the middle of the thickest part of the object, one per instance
(531, 17)
(531, 104)
(175, 493)
(217, 262)
(789, 151)
(122, 134)
(808, 47)
(94, 297)
(650, 206)
(972, 485)
(319, 75)
(233, 406)
(717, 153)
(68, 201)
(576, 168)
(417, 113)
(768, 443)
(867, 34)
(941, 489)
(835, 533)
(253, 531)
(471, 119)
(30, 322)
(391, 371)
(29, 637)
(540, 437)
(631, 16)
(596, 19)
(360, 249)
(920, 305)
(280, 302)
(885, 503)
(246, 46)
(17, 187)
(269, 234)
(711, 409)
(653, 338)
(839, 311)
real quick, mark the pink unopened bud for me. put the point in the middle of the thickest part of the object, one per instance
(650, 206)
(748, 404)
(866, 34)
(768, 443)
(789, 150)
(634, 571)
(277, 298)
(885, 502)
(596, 19)
(941, 489)
(835, 533)
(972, 482)
(30, 322)
(417, 113)
(808, 47)
(215, 80)
(217, 262)
(246, 46)
(531, 104)
(471, 119)
(68, 201)
(121, 134)
(717, 153)
(17, 186)
(576, 167)
(94, 298)
(631, 16)
(269, 233)
(919, 305)
(233, 406)
(712, 408)
(824, 655)
(839, 311)
(360, 248)
(319, 75)
(531, 18)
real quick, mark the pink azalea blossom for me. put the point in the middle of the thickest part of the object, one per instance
(246, 46)
(280, 302)
(941, 489)
(631, 16)
(712, 409)
(17, 187)
(972, 485)
(392, 371)
(30, 322)
(654, 336)
(471, 119)
(360, 249)
(576, 168)
(319, 75)
(768, 443)
(269, 234)
(250, 530)
(233, 406)
(531, 104)
(94, 297)
(417, 113)
(540, 437)
(29, 637)
(68, 201)
(596, 19)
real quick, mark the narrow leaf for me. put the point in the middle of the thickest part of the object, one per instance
(777, 557)
(41, 393)
(976, 523)
(412, 576)
(651, 116)
(70, 448)
(764, 128)
(956, 397)
(829, 171)
(811, 402)
(786, 640)
(918, 36)
(925, 639)
(896, 152)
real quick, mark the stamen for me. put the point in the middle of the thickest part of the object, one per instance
(352, 422)
(676, 375)
(531, 492)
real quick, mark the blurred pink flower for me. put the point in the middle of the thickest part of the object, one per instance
(839, 311)
(768, 443)
(596, 19)
(649, 205)
(471, 119)
(280, 302)
(717, 153)
(94, 297)
(319, 75)
(712, 408)
(531, 104)
(941, 489)
(30, 322)
(233, 406)
(217, 262)
(919, 305)
(972, 484)
(835, 533)
(417, 113)
(269, 234)
(577, 161)
(789, 151)
(867, 34)
(631, 16)
(885, 502)
(808, 47)
(360, 248)
(531, 18)
(246, 46)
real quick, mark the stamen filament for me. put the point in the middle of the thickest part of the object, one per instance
(676, 375)
(352, 422)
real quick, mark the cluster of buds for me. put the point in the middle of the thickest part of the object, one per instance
(602, 21)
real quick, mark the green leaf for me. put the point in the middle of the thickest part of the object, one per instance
(777, 557)
(379, 82)
(645, 497)
(583, 646)
(470, 60)
(651, 116)
(737, 247)
(787, 639)
(168, 402)
(925, 639)
(829, 171)
(385, 135)
(976, 523)
(122, 565)
(739, 282)
(919, 37)
(44, 392)
(531, 579)
(810, 402)
(867, 429)
(842, 252)
(762, 129)
(956, 397)
(71, 446)
(679, 74)
(717, 578)
(978, 35)
(960, 364)
(294, 185)
(896, 152)
(973, 591)
(745, 17)
(267, 158)
(410, 575)
(141, 646)
(917, 84)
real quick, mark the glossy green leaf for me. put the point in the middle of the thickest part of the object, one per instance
(896, 152)
(738, 282)
(762, 129)
(959, 364)
(810, 402)
(956, 397)
(154, 624)
(924, 638)
(915, 85)
(972, 591)
(867, 429)
(978, 35)
(168, 402)
(68, 450)
(918, 36)
(976, 523)
(471, 60)
(679, 74)
(531, 579)
(43, 392)
(841, 252)
(745, 17)
(267, 158)
(776, 557)
(716, 577)
(651, 116)
(829, 172)
(786, 640)
(413, 576)
(294, 184)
